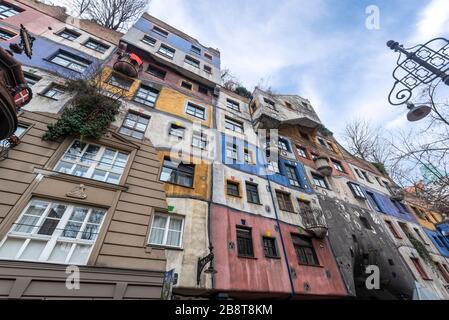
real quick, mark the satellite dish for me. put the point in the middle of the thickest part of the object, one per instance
(417, 112)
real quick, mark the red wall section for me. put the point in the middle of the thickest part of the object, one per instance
(265, 275)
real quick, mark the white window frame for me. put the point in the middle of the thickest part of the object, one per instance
(167, 224)
(56, 236)
(273, 166)
(72, 62)
(233, 105)
(96, 45)
(234, 125)
(167, 51)
(195, 113)
(94, 162)
(201, 138)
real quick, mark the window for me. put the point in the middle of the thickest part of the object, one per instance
(321, 141)
(160, 31)
(419, 268)
(283, 144)
(53, 232)
(231, 152)
(319, 181)
(199, 140)
(207, 56)
(288, 105)
(337, 165)
(359, 173)
(233, 105)
(247, 156)
(96, 45)
(244, 242)
(6, 35)
(365, 223)
(400, 206)
(356, 190)
(148, 40)
(438, 241)
(176, 131)
(69, 34)
(203, 89)
(93, 162)
(233, 125)
(442, 271)
(7, 11)
(156, 72)
(393, 229)
(304, 250)
(177, 173)
(186, 85)
(419, 235)
(195, 50)
(269, 247)
(379, 181)
(301, 151)
(5, 144)
(304, 206)
(31, 79)
(196, 111)
(166, 231)
(273, 166)
(70, 61)
(54, 92)
(290, 171)
(284, 201)
(373, 201)
(166, 51)
(252, 193)
(146, 95)
(135, 125)
(207, 69)
(366, 176)
(192, 61)
(232, 189)
(270, 103)
(119, 82)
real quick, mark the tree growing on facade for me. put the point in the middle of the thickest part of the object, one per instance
(232, 83)
(112, 14)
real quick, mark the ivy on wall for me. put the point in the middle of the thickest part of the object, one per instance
(89, 114)
(420, 247)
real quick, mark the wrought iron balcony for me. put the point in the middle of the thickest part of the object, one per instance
(314, 222)
(323, 166)
(8, 144)
(128, 64)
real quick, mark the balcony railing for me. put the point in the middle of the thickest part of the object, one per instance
(8, 144)
(314, 222)
(128, 64)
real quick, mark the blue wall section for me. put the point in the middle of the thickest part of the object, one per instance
(441, 242)
(386, 206)
(259, 168)
(44, 49)
(176, 42)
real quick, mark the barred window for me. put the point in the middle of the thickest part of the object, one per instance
(269, 247)
(304, 250)
(244, 242)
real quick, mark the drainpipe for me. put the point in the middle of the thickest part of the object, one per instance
(282, 241)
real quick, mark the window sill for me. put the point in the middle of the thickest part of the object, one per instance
(155, 246)
(165, 55)
(178, 185)
(311, 265)
(43, 95)
(234, 196)
(246, 257)
(89, 182)
(273, 257)
(256, 203)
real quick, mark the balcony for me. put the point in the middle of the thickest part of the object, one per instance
(128, 64)
(8, 144)
(314, 222)
(323, 166)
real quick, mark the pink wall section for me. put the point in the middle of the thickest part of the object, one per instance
(261, 274)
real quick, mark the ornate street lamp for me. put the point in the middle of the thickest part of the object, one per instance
(416, 66)
(202, 263)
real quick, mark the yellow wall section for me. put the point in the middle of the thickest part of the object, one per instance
(174, 102)
(201, 181)
(431, 215)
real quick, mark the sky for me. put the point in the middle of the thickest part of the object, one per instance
(321, 50)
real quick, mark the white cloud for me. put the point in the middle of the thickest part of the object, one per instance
(433, 21)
